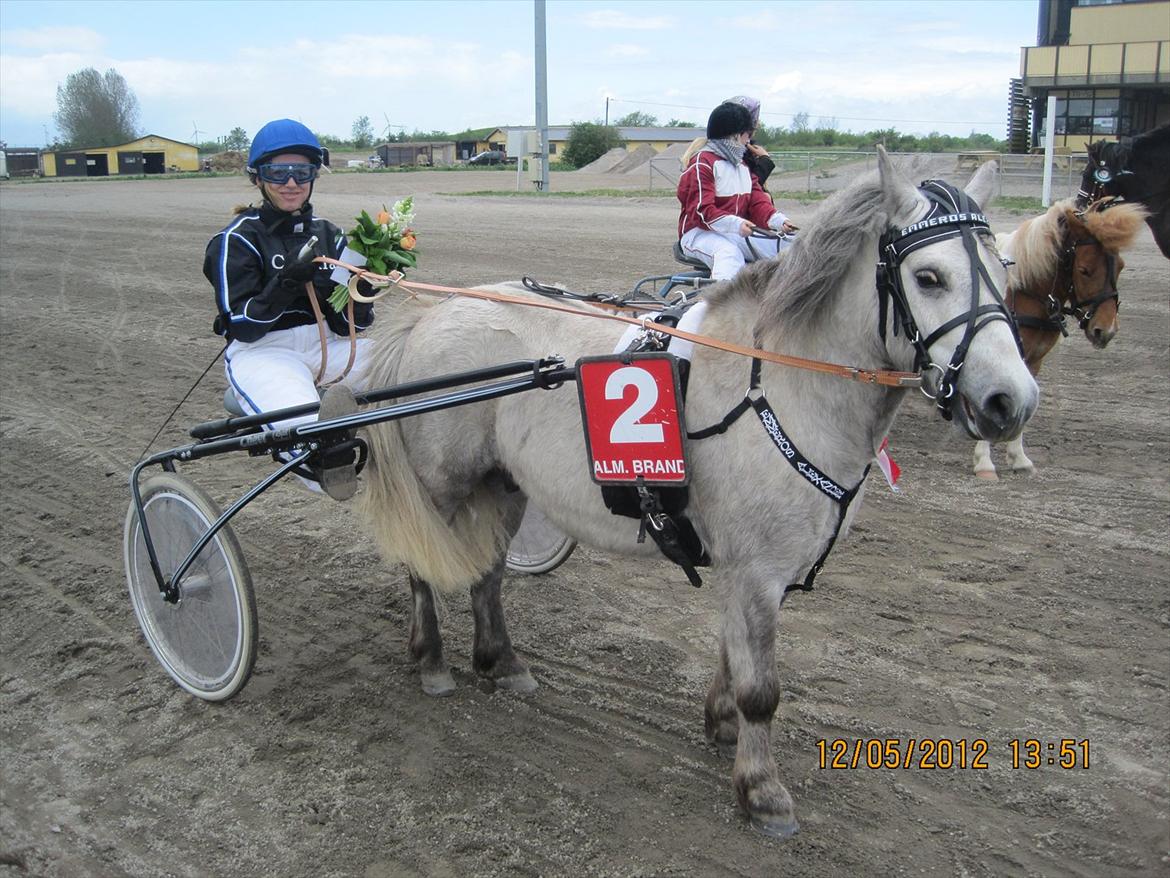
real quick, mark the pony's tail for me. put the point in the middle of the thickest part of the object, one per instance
(407, 526)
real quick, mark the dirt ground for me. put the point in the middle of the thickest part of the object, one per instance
(957, 609)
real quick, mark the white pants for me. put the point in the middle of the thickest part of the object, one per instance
(277, 371)
(727, 254)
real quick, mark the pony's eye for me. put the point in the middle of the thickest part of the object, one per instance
(927, 279)
(1087, 272)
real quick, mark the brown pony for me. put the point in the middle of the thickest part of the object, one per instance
(1066, 264)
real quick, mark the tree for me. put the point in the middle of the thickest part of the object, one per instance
(589, 141)
(95, 109)
(363, 133)
(679, 123)
(237, 139)
(637, 119)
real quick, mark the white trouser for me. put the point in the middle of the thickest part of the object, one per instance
(727, 254)
(277, 371)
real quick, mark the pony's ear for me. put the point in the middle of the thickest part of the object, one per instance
(983, 185)
(900, 195)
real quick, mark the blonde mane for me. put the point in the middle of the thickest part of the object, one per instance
(1036, 245)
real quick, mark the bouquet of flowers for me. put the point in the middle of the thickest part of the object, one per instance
(387, 241)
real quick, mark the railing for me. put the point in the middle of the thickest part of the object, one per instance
(1097, 64)
(814, 171)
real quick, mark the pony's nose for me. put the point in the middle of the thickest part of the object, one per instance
(1004, 415)
(1102, 335)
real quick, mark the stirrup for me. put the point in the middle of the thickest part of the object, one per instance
(336, 470)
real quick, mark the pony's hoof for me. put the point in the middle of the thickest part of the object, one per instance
(524, 682)
(438, 685)
(989, 475)
(726, 749)
(778, 828)
(1025, 471)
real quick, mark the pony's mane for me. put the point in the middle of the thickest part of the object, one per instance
(1114, 223)
(798, 285)
(1036, 244)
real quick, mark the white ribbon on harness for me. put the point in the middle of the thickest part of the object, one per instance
(691, 322)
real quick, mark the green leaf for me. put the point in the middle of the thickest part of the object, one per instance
(377, 265)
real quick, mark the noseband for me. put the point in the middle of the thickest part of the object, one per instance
(952, 214)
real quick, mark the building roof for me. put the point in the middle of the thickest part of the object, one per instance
(632, 134)
(127, 143)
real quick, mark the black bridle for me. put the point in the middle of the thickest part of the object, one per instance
(952, 214)
(1069, 305)
(1085, 310)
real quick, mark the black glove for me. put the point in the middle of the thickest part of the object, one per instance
(297, 272)
(365, 287)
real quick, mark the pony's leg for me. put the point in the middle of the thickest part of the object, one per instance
(492, 655)
(720, 715)
(984, 468)
(426, 643)
(749, 632)
(1016, 457)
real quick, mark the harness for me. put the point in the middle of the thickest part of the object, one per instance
(952, 214)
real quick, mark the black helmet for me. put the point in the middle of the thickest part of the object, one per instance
(727, 120)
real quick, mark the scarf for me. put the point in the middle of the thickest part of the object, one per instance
(727, 148)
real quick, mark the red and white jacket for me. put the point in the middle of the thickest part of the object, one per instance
(717, 196)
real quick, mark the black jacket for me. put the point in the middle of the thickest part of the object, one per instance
(243, 263)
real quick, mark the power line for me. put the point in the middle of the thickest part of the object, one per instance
(818, 115)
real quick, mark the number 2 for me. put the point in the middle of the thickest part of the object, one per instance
(627, 428)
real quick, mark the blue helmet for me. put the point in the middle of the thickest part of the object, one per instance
(283, 135)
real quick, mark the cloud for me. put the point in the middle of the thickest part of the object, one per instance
(54, 39)
(611, 19)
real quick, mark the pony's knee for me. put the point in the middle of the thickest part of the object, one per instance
(758, 702)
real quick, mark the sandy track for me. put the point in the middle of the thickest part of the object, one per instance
(958, 609)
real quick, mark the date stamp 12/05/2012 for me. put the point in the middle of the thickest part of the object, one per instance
(952, 753)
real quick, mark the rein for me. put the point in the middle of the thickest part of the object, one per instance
(885, 377)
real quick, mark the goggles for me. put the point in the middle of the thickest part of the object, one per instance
(301, 172)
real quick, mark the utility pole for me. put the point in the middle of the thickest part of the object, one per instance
(542, 94)
(607, 112)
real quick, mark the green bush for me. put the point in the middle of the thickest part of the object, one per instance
(589, 141)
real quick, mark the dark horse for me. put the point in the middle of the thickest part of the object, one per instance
(1138, 170)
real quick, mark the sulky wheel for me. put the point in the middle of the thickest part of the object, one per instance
(207, 640)
(539, 546)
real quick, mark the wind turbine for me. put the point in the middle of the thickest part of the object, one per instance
(195, 134)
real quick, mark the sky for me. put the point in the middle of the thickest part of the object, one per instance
(200, 69)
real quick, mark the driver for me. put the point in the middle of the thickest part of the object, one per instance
(275, 348)
(722, 201)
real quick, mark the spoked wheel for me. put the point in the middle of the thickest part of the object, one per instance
(207, 640)
(539, 546)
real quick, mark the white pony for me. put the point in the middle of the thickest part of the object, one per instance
(443, 494)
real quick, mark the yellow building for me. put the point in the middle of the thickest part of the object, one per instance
(1106, 63)
(657, 137)
(146, 155)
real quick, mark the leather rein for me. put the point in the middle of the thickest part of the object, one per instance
(886, 377)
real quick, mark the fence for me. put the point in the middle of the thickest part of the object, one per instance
(796, 172)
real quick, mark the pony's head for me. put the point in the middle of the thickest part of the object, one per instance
(946, 281)
(946, 316)
(1092, 262)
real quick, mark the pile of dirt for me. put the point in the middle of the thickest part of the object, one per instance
(605, 162)
(674, 151)
(634, 159)
(231, 160)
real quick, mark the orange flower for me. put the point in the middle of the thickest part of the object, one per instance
(407, 242)
(383, 217)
